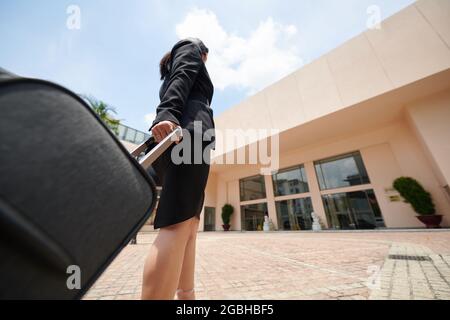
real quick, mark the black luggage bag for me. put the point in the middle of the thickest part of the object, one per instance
(71, 196)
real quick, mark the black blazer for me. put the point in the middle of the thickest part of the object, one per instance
(187, 90)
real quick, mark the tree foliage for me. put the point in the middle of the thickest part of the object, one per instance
(227, 211)
(413, 192)
(104, 112)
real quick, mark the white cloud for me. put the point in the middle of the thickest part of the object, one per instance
(148, 118)
(269, 53)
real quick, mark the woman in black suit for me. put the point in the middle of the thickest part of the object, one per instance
(186, 95)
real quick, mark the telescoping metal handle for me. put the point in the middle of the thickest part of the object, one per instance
(157, 151)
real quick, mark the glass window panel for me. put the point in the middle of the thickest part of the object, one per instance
(343, 171)
(140, 137)
(130, 135)
(252, 216)
(376, 209)
(361, 210)
(290, 181)
(210, 219)
(294, 214)
(252, 188)
(122, 130)
(336, 209)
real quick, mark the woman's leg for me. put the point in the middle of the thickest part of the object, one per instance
(186, 284)
(163, 265)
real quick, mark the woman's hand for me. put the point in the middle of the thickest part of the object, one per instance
(162, 130)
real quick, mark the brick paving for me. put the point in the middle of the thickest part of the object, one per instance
(299, 265)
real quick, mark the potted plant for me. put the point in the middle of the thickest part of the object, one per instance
(227, 211)
(421, 201)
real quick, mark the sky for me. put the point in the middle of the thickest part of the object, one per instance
(110, 49)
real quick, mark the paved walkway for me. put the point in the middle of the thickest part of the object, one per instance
(293, 265)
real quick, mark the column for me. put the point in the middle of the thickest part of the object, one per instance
(271, 200)
(314, 189)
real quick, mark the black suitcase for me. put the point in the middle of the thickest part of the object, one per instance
(71, 196)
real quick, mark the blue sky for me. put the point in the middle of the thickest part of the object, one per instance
(114, 55)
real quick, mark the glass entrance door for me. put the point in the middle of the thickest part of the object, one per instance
(338, 211)
(294, 214)
(353, 210)
(210, 219)
(252, 216)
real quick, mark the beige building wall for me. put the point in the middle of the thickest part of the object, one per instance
(411, 45)
(385, 93)
(211, 200)
(430, 120)
(388, 152)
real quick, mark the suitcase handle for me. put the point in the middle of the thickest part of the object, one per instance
(157, 151)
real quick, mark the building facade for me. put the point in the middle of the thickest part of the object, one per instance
(372, 110)
(131, 138)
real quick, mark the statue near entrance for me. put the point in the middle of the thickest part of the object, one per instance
(316, 222)
(266, 223)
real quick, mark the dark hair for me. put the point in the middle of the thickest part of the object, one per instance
(166, 59)
(164, 65)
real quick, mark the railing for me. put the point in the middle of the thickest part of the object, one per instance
(128, 134)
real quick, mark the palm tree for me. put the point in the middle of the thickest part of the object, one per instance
(104, 112)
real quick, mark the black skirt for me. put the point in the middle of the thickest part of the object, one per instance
(183, 184)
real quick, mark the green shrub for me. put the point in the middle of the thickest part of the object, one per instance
(227, 211)
(413, 193)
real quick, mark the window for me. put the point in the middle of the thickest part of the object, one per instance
(252, 216)
(343, 171)
(294, 214)
(353, 210)
(290, 181)
(122, 132)
(252, 188)
(140, 137)
(210, 219)
(130, 135)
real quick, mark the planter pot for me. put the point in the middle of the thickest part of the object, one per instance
(226, 227)
(432, 221)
